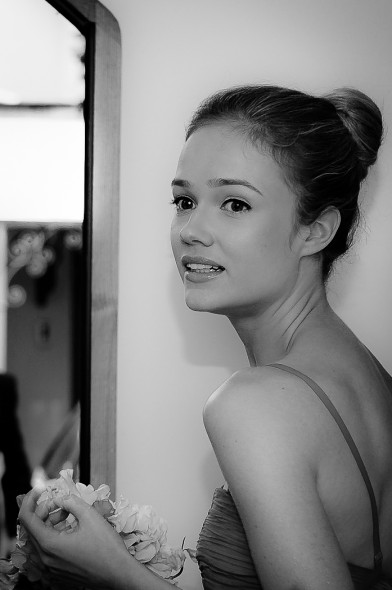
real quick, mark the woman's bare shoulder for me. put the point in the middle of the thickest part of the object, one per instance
(260, 402)
(243, 386)
(261, 385)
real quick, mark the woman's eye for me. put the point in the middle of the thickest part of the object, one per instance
(183, 203)
(236, 206)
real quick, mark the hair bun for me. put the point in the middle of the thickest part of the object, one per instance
(363, 119)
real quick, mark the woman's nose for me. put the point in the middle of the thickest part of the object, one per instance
(196, 231)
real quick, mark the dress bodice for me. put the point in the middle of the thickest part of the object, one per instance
(224, 557)
(222, 550)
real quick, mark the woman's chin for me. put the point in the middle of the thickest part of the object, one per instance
(196, 302)
(196, 305)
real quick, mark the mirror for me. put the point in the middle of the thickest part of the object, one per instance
(41, 251)
(80, 258)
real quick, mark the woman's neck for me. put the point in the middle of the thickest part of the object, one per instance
(271, 334)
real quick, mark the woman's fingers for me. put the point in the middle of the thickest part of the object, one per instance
(28, 506)
(58, 515)
(73, 505)
(38, 518)
(44, 510)
(32, 516)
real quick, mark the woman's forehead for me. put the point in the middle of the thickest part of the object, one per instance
(221, 150)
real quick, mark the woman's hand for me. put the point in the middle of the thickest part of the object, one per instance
(92, 555)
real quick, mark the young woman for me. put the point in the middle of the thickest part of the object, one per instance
(266, 198)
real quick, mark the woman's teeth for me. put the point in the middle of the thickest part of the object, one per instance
(203, 268)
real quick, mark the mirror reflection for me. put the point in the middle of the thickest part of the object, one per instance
(41, 249)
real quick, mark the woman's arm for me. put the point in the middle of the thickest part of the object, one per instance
(94, 555)
(266, 441)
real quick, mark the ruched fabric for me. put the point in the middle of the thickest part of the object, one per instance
(224, 556)
(222, 550)
(366, 579)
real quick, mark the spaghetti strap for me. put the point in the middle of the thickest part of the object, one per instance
(354, 450)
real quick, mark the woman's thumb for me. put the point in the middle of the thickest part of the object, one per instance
(73, 504)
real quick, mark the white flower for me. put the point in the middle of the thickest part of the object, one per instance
(166, 561)
(124, 517)
(64, 486)
(148, 521)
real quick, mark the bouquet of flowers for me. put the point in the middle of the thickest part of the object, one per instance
(143, 532)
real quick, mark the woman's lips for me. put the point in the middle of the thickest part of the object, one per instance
(198, 270)
(201, 277)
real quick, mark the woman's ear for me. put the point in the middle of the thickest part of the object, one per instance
(321, 232)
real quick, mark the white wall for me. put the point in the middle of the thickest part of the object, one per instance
(175, 52)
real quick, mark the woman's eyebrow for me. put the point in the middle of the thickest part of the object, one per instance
(180, 182)
(217, 182)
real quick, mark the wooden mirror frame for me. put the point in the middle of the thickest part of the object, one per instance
(102, 119)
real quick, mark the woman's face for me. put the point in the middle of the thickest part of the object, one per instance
(232, 234)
